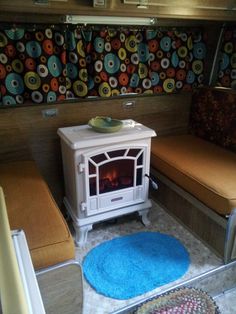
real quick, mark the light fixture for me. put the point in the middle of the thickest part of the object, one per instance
(108, 20)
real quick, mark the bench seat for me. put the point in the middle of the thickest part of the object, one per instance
(32, 208)
(203, 169)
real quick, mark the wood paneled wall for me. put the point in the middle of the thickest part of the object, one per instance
(26, 134)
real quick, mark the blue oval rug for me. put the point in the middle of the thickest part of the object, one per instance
(131, 265)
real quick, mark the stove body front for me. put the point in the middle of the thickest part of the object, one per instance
(105, 174)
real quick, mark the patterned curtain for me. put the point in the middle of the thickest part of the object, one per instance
(227, 63)
(150, 61)
(58, 63)
(76, 67)
(32, 65)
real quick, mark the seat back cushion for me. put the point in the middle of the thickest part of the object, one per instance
(32, 208)
(213, 116)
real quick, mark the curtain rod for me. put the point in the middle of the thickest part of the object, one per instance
(65, 26)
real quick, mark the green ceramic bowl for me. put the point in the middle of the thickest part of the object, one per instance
(105, 124)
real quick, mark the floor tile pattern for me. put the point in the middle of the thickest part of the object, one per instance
(202, 259)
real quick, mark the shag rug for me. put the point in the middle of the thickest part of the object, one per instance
(131, 265)
(180, 301)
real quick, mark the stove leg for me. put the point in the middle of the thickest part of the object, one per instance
(144, 216)
(81, 234)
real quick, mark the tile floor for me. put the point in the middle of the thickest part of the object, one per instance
(227, 302)
(202, 259)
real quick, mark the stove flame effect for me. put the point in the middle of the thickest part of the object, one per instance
(114, 176)
(115, 179)
(111, 176)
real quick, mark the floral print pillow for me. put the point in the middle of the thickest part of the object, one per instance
(213, 116)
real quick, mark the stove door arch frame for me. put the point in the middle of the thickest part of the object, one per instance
(103, 202)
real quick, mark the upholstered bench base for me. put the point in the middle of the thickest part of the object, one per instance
(203, 169)
(32, 208)
(197, 184)
(198, 218)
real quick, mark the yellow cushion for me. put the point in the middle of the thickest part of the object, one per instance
(203, 169)
(31, 207)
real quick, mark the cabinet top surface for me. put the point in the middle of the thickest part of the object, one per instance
(84, 136)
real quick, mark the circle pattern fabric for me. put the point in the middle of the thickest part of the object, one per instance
(55, 63)
(145, 61)
(29, 60)
(227, 64)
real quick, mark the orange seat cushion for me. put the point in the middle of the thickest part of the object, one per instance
(31, 207)
(204, 169)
